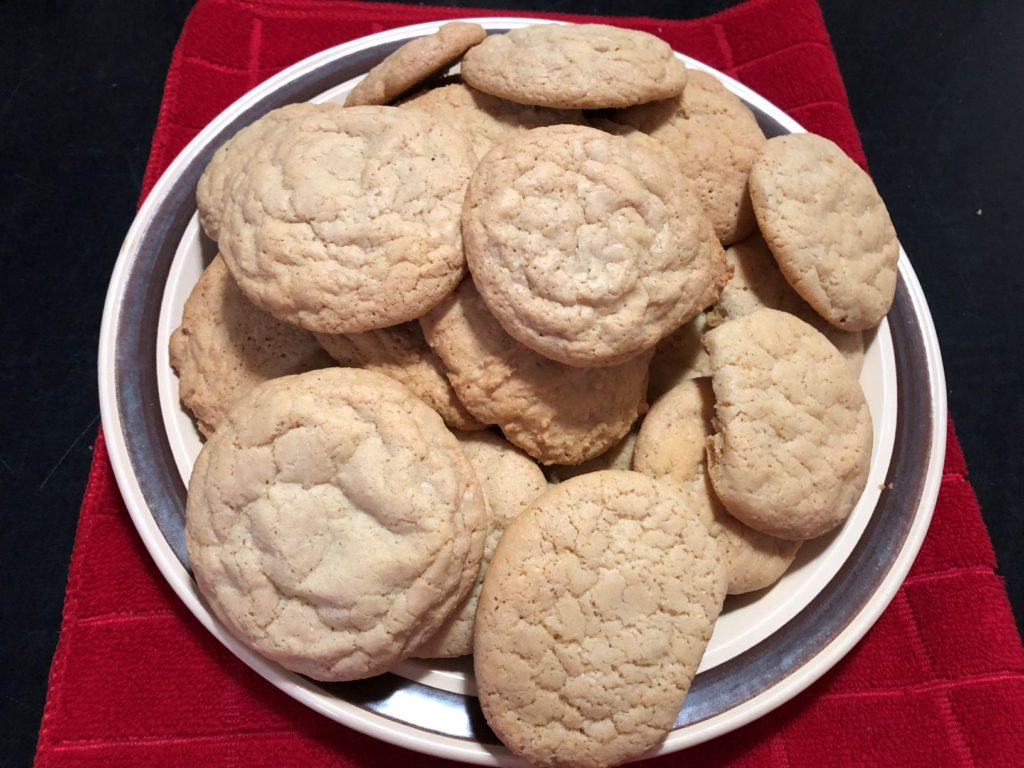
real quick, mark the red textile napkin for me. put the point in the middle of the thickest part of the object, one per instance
(136, 680)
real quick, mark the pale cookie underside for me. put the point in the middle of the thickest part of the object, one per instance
(678, 357)
(556, 413)
(486, 120)
(402, 353)
(414, 62)
(350, 221)
(575, 66)
(593, 618)
(510, 481)
(715, 137)
(830, 232)
(225, 346)
(793, 445)
(757, 282)
(333, 522)
(671, 448)
(587, 247)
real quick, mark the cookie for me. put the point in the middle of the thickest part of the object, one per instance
(486, 120)
(757, 282)
(619, 456)
(415, 62)
(715, 137)
(670, 448)
(830, 232)
(587, 247)
(594, 615)
(556, 413)
(678, 357)
(510, 480)
(231, 158)
(402, 353)
(793, 444)
(225, 346)
(333, 523)
(349, 221)
(575, 66)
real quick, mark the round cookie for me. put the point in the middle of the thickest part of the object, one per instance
(715, 138)
(349, 221)
(231, 158)
(556, 413)
(510, 480)
(756, 282)
(587, 247)
(414, 62)
(575, 66)
(486, 120)
(402, 353)
(830, 232)
(793, 446)
(670, 447)
(225, 346)
(594, 616)
(333, 523)
(678, 357)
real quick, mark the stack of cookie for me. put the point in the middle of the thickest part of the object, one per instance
(416, 306)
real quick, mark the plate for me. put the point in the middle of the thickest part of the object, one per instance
(766, 647)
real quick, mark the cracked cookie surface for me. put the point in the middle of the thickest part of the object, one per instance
(670, 447)
(225, 346)
(792, 447)
(556, 413)
(349, 221)
(575, 66)
(831, 234)
(510, 481)
(715, 139)
(402, 353)
(333, 523)
(414, 62)
(231, 158)
(588, 248)
(594, 615)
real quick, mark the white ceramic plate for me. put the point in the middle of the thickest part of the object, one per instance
(766, 647)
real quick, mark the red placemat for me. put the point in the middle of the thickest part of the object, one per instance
(136, 680)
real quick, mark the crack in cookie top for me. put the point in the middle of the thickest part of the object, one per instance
(575, 66)
(588, 248)
(350, 220)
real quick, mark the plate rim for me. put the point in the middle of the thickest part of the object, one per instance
(380, 726)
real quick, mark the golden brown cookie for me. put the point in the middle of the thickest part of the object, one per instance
(678, 357)
(575, 66)
(556, 413)
(349, 221)
(225, 346)
(414, 62)
(587, 247)
(792, 447)
(593, 619)
(333, 523)
(830, 232)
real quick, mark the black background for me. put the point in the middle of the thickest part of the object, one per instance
(936, 90)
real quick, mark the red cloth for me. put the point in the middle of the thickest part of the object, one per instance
(137, 681)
